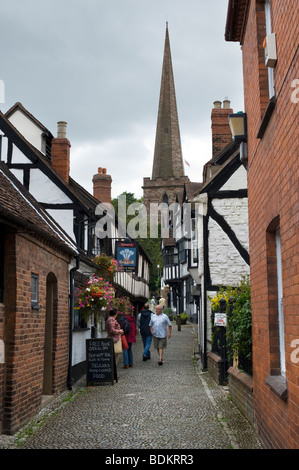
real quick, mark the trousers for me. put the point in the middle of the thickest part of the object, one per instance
(147, 341)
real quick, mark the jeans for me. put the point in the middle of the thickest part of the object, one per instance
(147, 341)
(128, 356)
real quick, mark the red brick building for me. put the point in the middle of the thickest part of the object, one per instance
(34, 304)
(268, 32)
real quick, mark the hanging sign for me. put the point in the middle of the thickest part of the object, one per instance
(127, 255)
(220, 319)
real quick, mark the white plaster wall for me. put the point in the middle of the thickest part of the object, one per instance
(18, 156)
(19, 174)
(237, 181)
(226, 264)
(64, 218)
(28, 129)
(44, 190)
(235, 212)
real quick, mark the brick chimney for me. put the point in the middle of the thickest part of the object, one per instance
(221, 133)
(102, 185)
(60, 152)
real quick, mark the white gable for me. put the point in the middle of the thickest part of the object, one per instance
(31, 131)
(44, 190)
(237, 181)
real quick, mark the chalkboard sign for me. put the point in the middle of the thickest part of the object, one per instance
(99, 359)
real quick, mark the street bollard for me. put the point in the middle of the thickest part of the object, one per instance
(179, 322)
(223, 355)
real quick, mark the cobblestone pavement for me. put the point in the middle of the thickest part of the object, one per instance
(174, 406)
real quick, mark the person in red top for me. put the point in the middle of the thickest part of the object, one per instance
(130, 332)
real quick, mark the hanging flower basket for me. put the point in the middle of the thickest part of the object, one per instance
(122, 305)
(95, 297)
(107, 266)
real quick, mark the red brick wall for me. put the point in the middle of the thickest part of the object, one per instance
(60, 157)
(1, 366)
(221, 133)
(102, 186)
(273, 192)
(25, 328)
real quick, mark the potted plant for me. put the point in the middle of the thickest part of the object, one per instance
(184, 317)
(168, 311)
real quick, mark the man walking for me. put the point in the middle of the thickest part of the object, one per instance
(143, 320)
(158, 327)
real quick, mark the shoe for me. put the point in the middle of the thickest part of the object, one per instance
(126, 367)
(131, 365)
(144, 358)
(160, 363)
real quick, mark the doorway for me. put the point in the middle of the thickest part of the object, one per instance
(51, 307)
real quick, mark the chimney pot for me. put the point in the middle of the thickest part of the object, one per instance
(226, 103)
(61, 129)
(217, 104)
(221, 133)
(102, 185)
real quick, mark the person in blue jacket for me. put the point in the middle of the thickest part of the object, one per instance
(143, 320)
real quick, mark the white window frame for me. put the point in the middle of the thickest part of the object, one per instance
(269, 31)
(280, 303)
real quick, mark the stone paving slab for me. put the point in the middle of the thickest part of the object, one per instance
(174, 406)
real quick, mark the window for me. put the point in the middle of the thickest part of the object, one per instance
(34, 291)
(170, 256)
(269, 31)
(277, 365)
(182, 252)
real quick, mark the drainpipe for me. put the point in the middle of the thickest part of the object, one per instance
(71, 296)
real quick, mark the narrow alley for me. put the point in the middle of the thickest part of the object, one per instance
(176, 406)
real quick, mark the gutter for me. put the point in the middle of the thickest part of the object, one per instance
(71, 309)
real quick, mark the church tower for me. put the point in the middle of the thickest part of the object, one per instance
(168, 177)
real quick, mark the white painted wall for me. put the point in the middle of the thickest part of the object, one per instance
(226, 264)
(28, 129)
(238, 180)
(64, 218)
(44, 190)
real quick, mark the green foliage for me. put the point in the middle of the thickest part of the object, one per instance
(152, 246)
(238, 334)
(238, 331)
(168, 311)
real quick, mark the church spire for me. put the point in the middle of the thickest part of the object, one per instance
(168, 159)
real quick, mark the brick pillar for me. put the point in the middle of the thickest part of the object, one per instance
(221, 133)
(60, 152)
(102, 185)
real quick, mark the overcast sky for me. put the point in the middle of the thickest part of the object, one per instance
(97, 65)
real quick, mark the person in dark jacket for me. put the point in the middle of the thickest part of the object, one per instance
(143, 320)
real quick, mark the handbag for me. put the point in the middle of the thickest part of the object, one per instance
(124, 342)
(118, 346)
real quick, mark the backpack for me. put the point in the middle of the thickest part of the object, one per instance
(125, 325)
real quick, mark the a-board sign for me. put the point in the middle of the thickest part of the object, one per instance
(99, 360)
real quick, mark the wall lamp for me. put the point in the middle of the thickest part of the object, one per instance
(238, 127)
